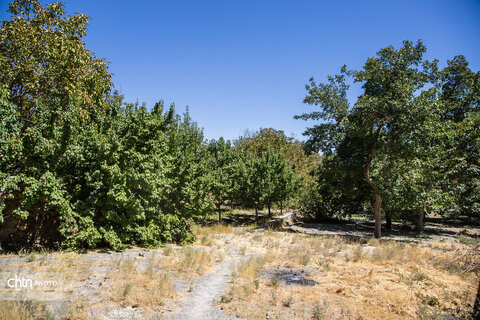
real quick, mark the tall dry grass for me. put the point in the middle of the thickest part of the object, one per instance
(132, 286)
(355, 279)
(24, 310)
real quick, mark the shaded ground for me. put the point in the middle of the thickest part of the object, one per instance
(435, 229)
(460, 228)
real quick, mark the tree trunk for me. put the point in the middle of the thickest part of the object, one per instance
(420, 221)
(269, 212)
(476, 306)
(256, 214)
(377, 212)
(219, 215)
(281, 207)
(388, 218)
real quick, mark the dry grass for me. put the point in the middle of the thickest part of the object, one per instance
(134, 287)
(354, 280)
(142, 279)
(70, 265)
(250, 269)
(245, 279)
(210, 235)
(347, 279)
(211, 230)
(191, 261)
(23, 310)
(77, 310)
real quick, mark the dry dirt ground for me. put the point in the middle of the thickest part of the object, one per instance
(304, 272)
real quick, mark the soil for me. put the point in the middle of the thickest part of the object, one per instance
(208, 290)
(200, 296)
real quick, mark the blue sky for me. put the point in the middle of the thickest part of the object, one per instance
(244, 64)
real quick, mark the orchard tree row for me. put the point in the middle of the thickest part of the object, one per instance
(260, 169)
(79, 168)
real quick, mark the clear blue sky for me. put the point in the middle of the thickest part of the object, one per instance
(244, 64)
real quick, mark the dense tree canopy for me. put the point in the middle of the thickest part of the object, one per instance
(222, 172)
(80, 168)
(264, 180)
(44, 63)
(271, 139)
(407, 137)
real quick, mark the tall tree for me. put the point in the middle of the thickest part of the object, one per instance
(44, 63)
(221, 168)
(457, 133)
(380, 127)
(252, 181)
(274, 171)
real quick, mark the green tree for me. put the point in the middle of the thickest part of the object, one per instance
(271, 139)
(286, 184)
(264, 180)
(78, 167)
(442, 174)
(250, 187)
(10, 147)
(386, 137)
(44, 63)
(221, 171)
(188, 196)
(272, 167)
(457, 132)
(299, 165)
(281, 180)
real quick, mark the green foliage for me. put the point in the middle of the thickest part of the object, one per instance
(409, 142)
(251, 181)
(291, 149)
(189, 193)
(43, 59)
(222, 168)
(294, 176)
(111, 183)
(79, 168)
(264, 180)
(456, 130)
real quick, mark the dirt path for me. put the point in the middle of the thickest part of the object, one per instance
(199, 304)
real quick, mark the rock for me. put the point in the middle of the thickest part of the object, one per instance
(281, 222)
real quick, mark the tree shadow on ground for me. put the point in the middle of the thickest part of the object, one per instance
(361, 229)
(459, 227)
(240, 219)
